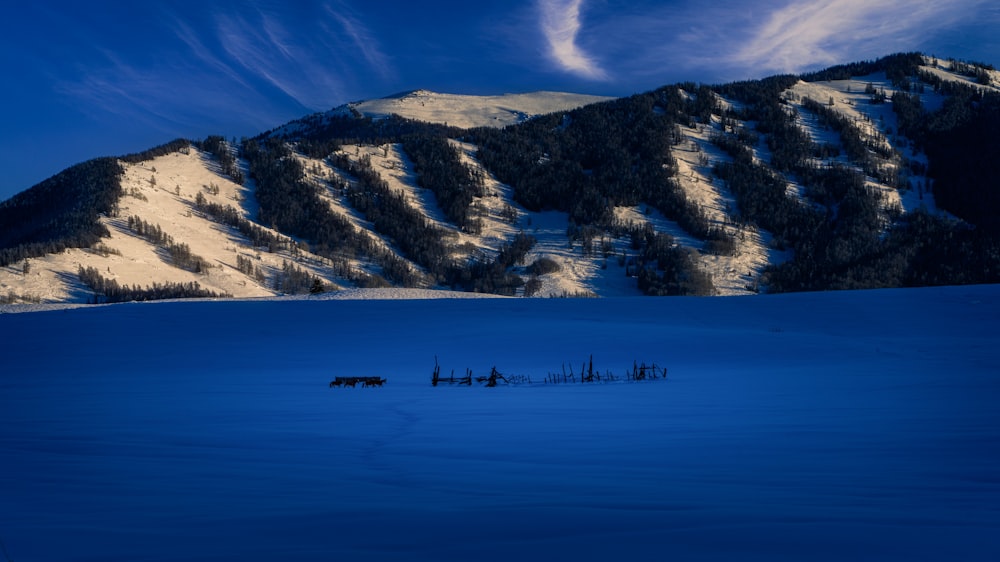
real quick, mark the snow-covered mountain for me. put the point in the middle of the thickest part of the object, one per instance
(191, 202)
(467, 111)
(163, 190)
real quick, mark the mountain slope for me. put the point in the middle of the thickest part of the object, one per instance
(160, 192)
(824, 181)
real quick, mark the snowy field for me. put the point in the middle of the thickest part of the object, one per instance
(831, 426)
(472, 111)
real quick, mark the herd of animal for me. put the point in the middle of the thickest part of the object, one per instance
(354, 381)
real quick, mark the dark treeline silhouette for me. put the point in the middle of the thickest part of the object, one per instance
(587, 161)
(965, 181)
(110, 291)
(921, 250)
(61, 212)
(179, 252)
(223, 152)
(848, 246)
(292, 205)
(321, 134)
(171, 147)
(962, 146)
(440, 170)
(393, 216)
(899, 68)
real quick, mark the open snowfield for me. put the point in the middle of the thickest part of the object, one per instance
(829, 426)
(473, 111)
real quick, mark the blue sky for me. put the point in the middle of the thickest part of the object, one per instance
(87, 79)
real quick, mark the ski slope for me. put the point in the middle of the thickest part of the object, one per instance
(828, 426)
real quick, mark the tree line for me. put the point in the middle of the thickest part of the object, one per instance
(962, 147)
(292, 205)
(179, 252)
(110, 291)
(392, 215)
(850, 246)
(454, 184)
(590, 160)
(60, 212)
(217, 146)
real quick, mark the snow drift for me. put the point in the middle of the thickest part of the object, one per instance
(834, 426)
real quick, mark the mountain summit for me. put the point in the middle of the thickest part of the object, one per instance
(454, 110)
(467, 112)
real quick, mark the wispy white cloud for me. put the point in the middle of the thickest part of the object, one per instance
(560, 23)
(653, 43)
(266, 50)
(119, 89)
(174, 97)
(802, 34)
(204, 53)
(313, 61)
(186, 79)
(361, 39)
(250, 68)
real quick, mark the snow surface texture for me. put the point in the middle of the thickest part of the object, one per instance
(828, 426)
(467, 112)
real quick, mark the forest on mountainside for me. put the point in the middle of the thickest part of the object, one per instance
(587, 162)
(60, 212)
(843, 243)
(293, 205)
(963, 146)
(63, 211)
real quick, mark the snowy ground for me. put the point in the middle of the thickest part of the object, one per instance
(474, 111)
(830, 426)
(456, 110)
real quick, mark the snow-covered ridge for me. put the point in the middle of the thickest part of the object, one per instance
(473, 111)
(949, 71)
(467, 111)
